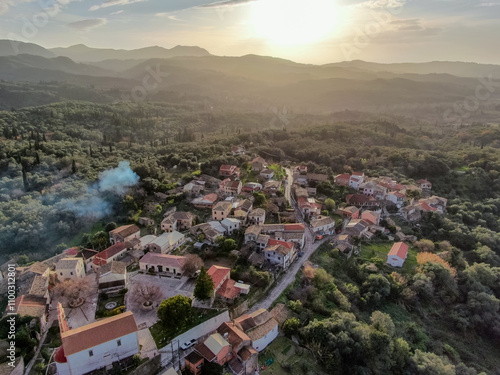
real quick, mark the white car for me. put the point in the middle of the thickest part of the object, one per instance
(188, 344)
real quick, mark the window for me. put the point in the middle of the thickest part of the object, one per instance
(61, 273)
(119, 343)
(91, 353)
(71, 273)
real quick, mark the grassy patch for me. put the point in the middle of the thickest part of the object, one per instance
(381, 249)
(77, 239)
(101, 311)
(284, 352)
(163, 335)
(279, 171)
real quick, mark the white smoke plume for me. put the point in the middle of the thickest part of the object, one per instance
(117, 180)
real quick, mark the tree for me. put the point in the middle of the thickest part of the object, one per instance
(175, 311)
(330, 204)
(100, 240)
(260, 199)
(228, 244)
(144, 294)
(430, 364)
(192, 263)
(425, 245)
(23, 260)
(212, 368)
(74, 292)
(204, 287)
(110, 226)
(291, 326)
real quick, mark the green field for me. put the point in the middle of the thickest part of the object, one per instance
(381, 249)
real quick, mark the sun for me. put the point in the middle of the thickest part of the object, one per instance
(294, 22)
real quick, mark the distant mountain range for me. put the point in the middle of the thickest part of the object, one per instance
(250, 81)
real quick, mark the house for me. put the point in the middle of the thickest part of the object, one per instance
(300, 192)
(369, 188)
(411, 213)
(267, 173)
(251, 187)
(96, 345)
(40, 288)
(124, 233)
(244, 355)
(342, 179)
(70, 268)
(271, 187)
(238, 150)
(371, 217)
(112, 275)
(229, 171)
(424, 184)
(230, 225)
(438, 204)
(30, 305)
(221, 210)
(355, 181)
(360, 200)
(356, 228)
(302, 169)
(323, 224)
(230, 188)
(280, 253)
(257, 216)
(397, 255)
(194, 362)
(251, 233)
(215, 349)
(258, 164)
(88, 256)
(145, 241)
(167, 242)
(396, 198)
(211, 235)
(114, 252)
(350, 211)
(146, 221)
(194, 188)
(26, 276)
(260, 326)
(242, 209)
(177, 221)
(309, 207)
(393, 187)
(163, 263)
(208, 201)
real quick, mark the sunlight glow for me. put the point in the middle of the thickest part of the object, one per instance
(294, 22)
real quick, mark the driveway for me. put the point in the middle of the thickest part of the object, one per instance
(169, 287)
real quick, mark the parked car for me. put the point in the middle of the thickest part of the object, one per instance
(301, 254)
(188, 344)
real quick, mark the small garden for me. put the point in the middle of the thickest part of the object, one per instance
(110, 304)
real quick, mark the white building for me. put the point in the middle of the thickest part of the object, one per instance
(162, 263)
(257, 216)
(280, 253)
(97, 345)
(323, 224)
(230, 225)
(397, 256)
(260, 326)
(167, 242)
(70, 268)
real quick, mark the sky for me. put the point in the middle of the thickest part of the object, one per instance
(307, 31)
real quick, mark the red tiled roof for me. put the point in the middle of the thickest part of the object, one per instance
(165, 260)
(357, 173)
(235, 335)
(72, 251)
(218, 274)
(295, 227)
(228, 290)
(91, 335)
(273, 242)
(126, 230)
(422, 182)
(211, 197)
(343, 176)
(426, 207)
(203, 350)
(400, 249)
(103, 256)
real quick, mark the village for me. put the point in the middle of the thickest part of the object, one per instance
(238, 242)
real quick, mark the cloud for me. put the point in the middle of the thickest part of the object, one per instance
(111, 3)
(116, 13)
(5, 4)
(382, 4)
(87, 24)
(225, 3)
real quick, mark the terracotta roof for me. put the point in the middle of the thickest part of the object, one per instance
(400, 249)
(228, 290)
(322, 221)
(422, 182)
(257, 324)
(280, 312)
(358, 174)
(317, 177)
(39, 286)
(113, 267)
(87, 254)
(218, 273)
(235, 335)
(28, 305)
(91, 335)
(68, 263)
(343, 176)
(273, 242)
(165, 260)
(257, 212)
(359, 198)
(236, 366)
(193, 358)
(350, 209)
(125, 230)
(205, 352)
(72, 251)
(247, 352)
(37, 267)
(103, 256)
(295, 227)
(258, 159)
